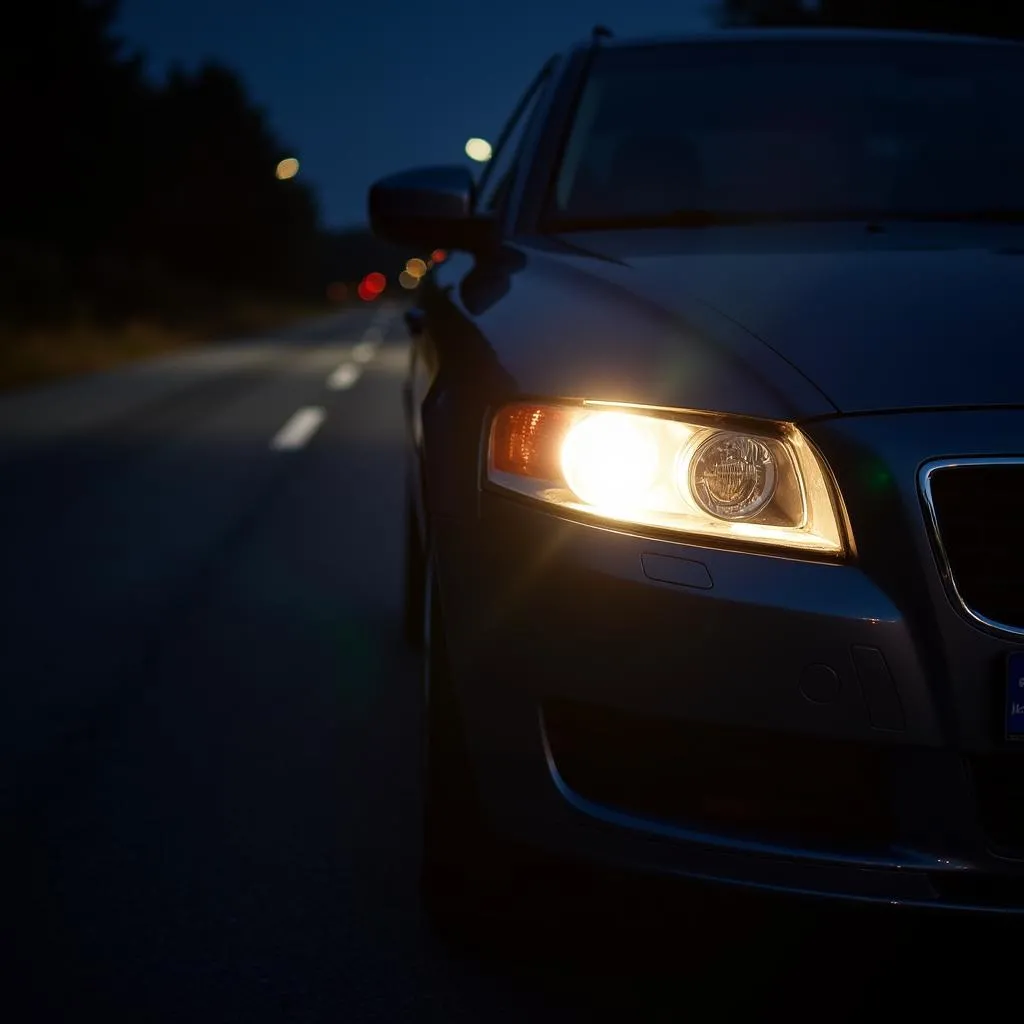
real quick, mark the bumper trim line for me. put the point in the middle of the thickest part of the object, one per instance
(909, 861)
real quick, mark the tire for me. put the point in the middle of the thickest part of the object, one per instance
(414, 581)
(465, 874)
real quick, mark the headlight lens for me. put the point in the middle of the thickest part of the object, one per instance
(763, 486)
(732, 476)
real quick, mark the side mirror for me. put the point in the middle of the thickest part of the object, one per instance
(430, 207)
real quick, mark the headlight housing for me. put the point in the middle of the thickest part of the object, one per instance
(732, 481)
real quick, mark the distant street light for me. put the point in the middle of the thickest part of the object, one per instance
(287, 168)
(479, 150)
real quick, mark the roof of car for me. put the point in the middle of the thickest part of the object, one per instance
(808, 35)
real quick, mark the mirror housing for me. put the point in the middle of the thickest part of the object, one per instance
(430, 207)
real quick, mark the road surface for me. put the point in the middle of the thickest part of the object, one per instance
(209, 730)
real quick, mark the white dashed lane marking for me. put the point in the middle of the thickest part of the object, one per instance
(364, 351)
(344, 377)
(299, 429)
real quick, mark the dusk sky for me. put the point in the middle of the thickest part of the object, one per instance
(361, 90)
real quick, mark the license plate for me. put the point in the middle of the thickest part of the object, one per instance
(1015, 696)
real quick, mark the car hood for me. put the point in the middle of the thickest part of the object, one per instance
(924, 318)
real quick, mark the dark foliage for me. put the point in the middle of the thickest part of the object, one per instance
(124, 198)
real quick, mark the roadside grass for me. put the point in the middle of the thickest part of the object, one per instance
(36, 356)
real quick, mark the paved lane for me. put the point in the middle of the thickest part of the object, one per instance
(209, 730)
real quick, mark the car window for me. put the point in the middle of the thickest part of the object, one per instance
(497, 176)
(793, 128)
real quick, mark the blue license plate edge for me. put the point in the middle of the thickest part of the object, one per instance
(1015, 696)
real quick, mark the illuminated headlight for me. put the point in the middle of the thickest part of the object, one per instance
(759, 484)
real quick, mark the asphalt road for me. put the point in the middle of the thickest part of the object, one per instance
(208, 733)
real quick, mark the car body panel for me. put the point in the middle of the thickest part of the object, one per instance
(910, 301)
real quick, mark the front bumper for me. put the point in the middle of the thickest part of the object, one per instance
(741, 717)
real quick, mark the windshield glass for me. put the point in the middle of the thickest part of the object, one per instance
(796, 129)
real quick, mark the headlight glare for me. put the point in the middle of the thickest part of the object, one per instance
(694, 475)
(610, 460)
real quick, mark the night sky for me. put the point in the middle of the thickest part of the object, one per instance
(363, 89)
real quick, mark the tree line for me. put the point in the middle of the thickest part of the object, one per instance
(123, 196)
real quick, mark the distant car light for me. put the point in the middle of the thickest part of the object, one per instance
(372, 286)
(685, 473)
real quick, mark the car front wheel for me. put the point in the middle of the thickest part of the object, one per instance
(466, 875)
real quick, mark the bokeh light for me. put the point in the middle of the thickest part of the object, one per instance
(479, 150)
(415, 267)
(287, 168)
(438, 256)
(407, 280)
(372, 285)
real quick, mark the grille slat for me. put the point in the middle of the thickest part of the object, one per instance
(979, 515)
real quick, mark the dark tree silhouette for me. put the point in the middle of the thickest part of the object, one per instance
(213, 214)
(121, 197)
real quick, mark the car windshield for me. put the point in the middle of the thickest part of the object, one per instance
(696, 133)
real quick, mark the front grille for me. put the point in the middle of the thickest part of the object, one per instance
(999, 790)
(749, 783)
(977, 509)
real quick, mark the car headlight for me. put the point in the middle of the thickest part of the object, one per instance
(735, 481)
